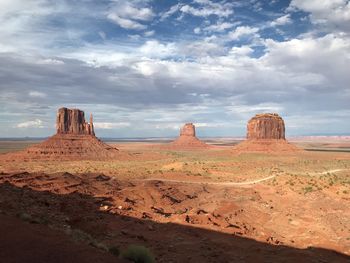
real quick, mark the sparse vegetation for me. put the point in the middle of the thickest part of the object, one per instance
(114, 251)
(308, 189)
(138, 254)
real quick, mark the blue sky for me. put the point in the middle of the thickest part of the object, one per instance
(144, 67)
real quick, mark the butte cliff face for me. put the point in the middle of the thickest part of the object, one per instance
(188, 130)
(266, 133)
(72, 121)
(266, 126)
(188, 139)
(74, 140)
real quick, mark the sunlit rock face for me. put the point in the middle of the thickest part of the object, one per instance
(188, 139)
(266, 133)
(74, 140)
(266, 126)
(188, 130)
(72, 121)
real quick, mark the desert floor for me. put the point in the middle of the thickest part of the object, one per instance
(212, 205)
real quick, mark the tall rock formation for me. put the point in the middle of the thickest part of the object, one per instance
(266, 133)
(74, 140)
(266, 126)
(188, 130)
(72, 121)
(188, 139)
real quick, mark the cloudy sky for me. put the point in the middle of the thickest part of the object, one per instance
(144, 67)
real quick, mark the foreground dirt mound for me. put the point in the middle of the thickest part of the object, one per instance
(31, 242)
(177, 222)
(188, 139)
(266, 133)
(74, 140)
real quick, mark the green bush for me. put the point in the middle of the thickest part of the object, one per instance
(138, 254)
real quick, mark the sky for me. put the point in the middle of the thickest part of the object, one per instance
(143, 68)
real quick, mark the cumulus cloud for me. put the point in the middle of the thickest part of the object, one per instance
(37, 94)
(219, 27)
(243, 31)
(282, 20)
(111, 125)
(153, 48)
(126, 22)
(334, 14)
(130, 14)
(208, 8)
(201, 48)
(170, 12)
(166, 75)
(149, 33)
(31, 124)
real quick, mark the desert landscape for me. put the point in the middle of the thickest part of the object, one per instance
(261, 200)
(184, 131)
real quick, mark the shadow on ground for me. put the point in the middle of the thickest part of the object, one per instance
(37, 226)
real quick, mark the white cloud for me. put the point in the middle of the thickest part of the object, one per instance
(50, 61)
(261, 107)
(126, 23)
(326, 56)
(31, 124)
(170, 12)
(219, 27)
(153, 48)
(149, 33)
(208, 8)
(37, 94)
(209, 125)
(241, 51)
(201, 48)
(332, 13)
(111, 125)
(197, 30)
(226, 83)
(128, 14)
(283, 20)
(243, 31)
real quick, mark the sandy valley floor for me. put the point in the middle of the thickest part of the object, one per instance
(213, 205)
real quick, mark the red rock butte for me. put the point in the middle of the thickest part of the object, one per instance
(72, 121)
(74, 140)
(188, 139)
(266, 126)
(266, 133)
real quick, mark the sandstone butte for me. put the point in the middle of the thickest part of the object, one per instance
(188, 139)
(266, 133)
(74, 140)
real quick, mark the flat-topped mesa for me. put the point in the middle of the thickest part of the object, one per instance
(72, 121)
(188, 130)
(266, 126)
(266, 133)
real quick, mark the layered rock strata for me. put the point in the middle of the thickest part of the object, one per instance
(74, 140)
(72, 121)
(266, 126)
(266, 133)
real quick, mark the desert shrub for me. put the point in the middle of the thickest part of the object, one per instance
(114, 251)
(138, 254)
(81, 236)
(308, 189)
